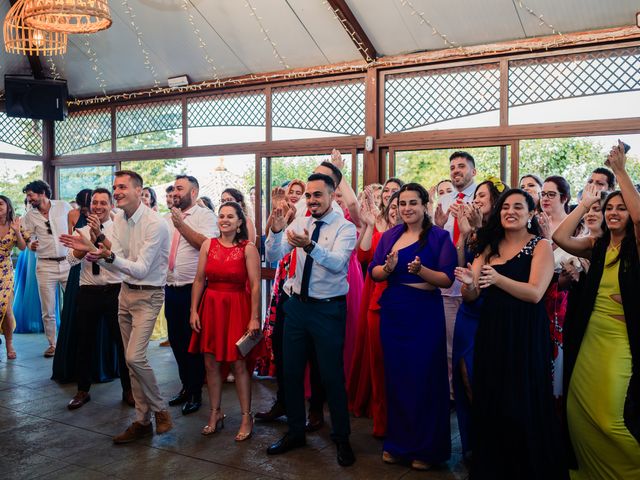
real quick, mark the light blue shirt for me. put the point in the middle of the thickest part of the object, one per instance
(330, 256)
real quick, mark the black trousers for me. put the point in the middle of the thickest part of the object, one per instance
(177, 309)
(276, 346)
(94, 305)
(321, 325)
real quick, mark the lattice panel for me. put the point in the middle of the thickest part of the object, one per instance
(229, 110)
(148, 117)
(333, 107)
(567, 76)
(418, 99)
(83, 129)
(23, 133)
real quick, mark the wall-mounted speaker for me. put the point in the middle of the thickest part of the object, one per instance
(39, 99)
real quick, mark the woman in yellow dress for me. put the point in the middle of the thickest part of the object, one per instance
(602, 338)
(11, 235)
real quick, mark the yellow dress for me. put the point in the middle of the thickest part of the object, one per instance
(604, 447)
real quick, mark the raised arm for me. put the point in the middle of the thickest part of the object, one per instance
(617, 161)
(348, 195)
(563, 236)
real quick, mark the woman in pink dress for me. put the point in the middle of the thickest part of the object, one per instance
(229, 307)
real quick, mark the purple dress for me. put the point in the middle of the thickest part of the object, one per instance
(412, 330)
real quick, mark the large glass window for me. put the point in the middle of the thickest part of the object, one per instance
(14, 175)
(73, 179)
(284, 169)
(20, 135)
(87, 131)
(149, 125)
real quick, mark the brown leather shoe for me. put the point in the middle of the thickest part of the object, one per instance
(277, 411)
(314, 422)
(135, 431)
(127, 397)
(78, 400)
(163, 422)
(50, 352)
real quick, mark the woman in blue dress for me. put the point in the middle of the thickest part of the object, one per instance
(416, 258)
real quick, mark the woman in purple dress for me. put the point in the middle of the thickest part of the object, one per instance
(416, 259)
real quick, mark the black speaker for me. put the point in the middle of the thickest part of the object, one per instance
(39, 99)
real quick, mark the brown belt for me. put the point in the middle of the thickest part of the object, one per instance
(142, 287)
(53, 259)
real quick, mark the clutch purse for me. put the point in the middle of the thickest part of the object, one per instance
(247, 342)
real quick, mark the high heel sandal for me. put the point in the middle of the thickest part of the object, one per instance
(241, 436)
(11, 355)
(219, 425)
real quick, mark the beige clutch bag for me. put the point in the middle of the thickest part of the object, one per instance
(247, 342)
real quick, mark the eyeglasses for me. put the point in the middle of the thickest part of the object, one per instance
(48, 225)
(549, 195)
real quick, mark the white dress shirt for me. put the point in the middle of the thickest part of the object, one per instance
(446, 201)
(106, 276)
(34, 222)
(141, 246)
(330, 256)
(203, 221)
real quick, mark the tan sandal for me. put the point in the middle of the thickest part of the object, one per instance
(241, 436)
(420, 465)
(388, 458)
(219, 425)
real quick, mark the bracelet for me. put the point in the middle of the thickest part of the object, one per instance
(384, 267)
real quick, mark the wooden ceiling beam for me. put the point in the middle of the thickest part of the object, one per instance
(354, 29)
(34, 60)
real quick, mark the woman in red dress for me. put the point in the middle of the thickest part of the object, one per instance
(221, 313)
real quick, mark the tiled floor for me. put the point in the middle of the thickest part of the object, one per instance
(40, 438)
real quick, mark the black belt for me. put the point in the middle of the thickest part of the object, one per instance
(339, 298)
(101, 288)
(54, 259)
(142, 287)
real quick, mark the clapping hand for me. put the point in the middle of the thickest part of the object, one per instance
(76, 242)
(415, 266)
(391, 262)
(439, 216)
(278, 195)
(278, 219)
(15, 224)
(101, 252)
(298, 239)
(474, 215)
(488, 276)
(464, 274)
(545, 225)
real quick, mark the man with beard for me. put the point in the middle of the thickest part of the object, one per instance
(190, 225)
(462, 170)
(316, 310)
(97, 300)
(46, 221)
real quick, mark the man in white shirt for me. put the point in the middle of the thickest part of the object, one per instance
(97, 300)
(462, 170)
(139, 249)
(189, 226)
(316, 310)
(46, 221)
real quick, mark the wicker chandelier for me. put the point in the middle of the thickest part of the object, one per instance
(67, 16)
(23, 39)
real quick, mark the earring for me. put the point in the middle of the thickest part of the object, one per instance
(238, 230)
(529, 224)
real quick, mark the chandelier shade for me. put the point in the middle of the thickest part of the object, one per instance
(22, 39)
(68, 16)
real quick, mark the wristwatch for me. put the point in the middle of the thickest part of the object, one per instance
(309, 247)
(110, 258)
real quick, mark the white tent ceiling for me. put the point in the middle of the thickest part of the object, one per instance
(305, 33)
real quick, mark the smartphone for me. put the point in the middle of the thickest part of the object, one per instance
(626, 147)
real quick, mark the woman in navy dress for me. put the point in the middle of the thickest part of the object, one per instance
(416, 259)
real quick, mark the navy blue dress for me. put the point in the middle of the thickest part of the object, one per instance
(413, 335)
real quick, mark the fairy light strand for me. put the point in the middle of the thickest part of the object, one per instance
(201, 43)
(541, 20)
(423, 20)
(145, 53)
(350, 31)
(95, 66)
(53, 69)
(265, 32)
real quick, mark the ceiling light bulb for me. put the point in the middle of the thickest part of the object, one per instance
(37, 38)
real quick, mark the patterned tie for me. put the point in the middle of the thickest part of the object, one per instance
(308, 263)
(456, 228)
(174, 246)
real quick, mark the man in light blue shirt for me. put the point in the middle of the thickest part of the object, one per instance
(316, 311)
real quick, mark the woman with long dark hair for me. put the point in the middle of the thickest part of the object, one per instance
(11, 235)
(515, 431)
(602, 336)
(235, 195)
(224, 310)
(391, 186)
(416, 259)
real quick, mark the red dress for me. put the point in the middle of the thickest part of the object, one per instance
(225, 308)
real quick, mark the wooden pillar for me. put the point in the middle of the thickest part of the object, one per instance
(48, 151)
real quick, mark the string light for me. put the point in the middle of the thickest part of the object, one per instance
(350, 31)
(423, 20)
(145, 53)
(201, 42)
(53, 70)
(95, 66)
(540, 18)
(265, 32)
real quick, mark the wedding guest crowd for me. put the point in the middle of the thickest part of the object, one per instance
(511, 305)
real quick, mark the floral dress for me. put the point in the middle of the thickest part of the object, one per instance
(7, 243)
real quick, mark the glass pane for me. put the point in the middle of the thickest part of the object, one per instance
(150, 125)
(575, 158)
(73, 179)
(158, 174)
(360, 172)
(84, 132)
(20, 135)
(14, 175)
(428, 167)
(285, 169)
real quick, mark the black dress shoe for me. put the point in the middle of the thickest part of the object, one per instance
(345, 455)
(286, 443)
(314, 422)
(179, 399)
(193, 404)
(277, 411)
